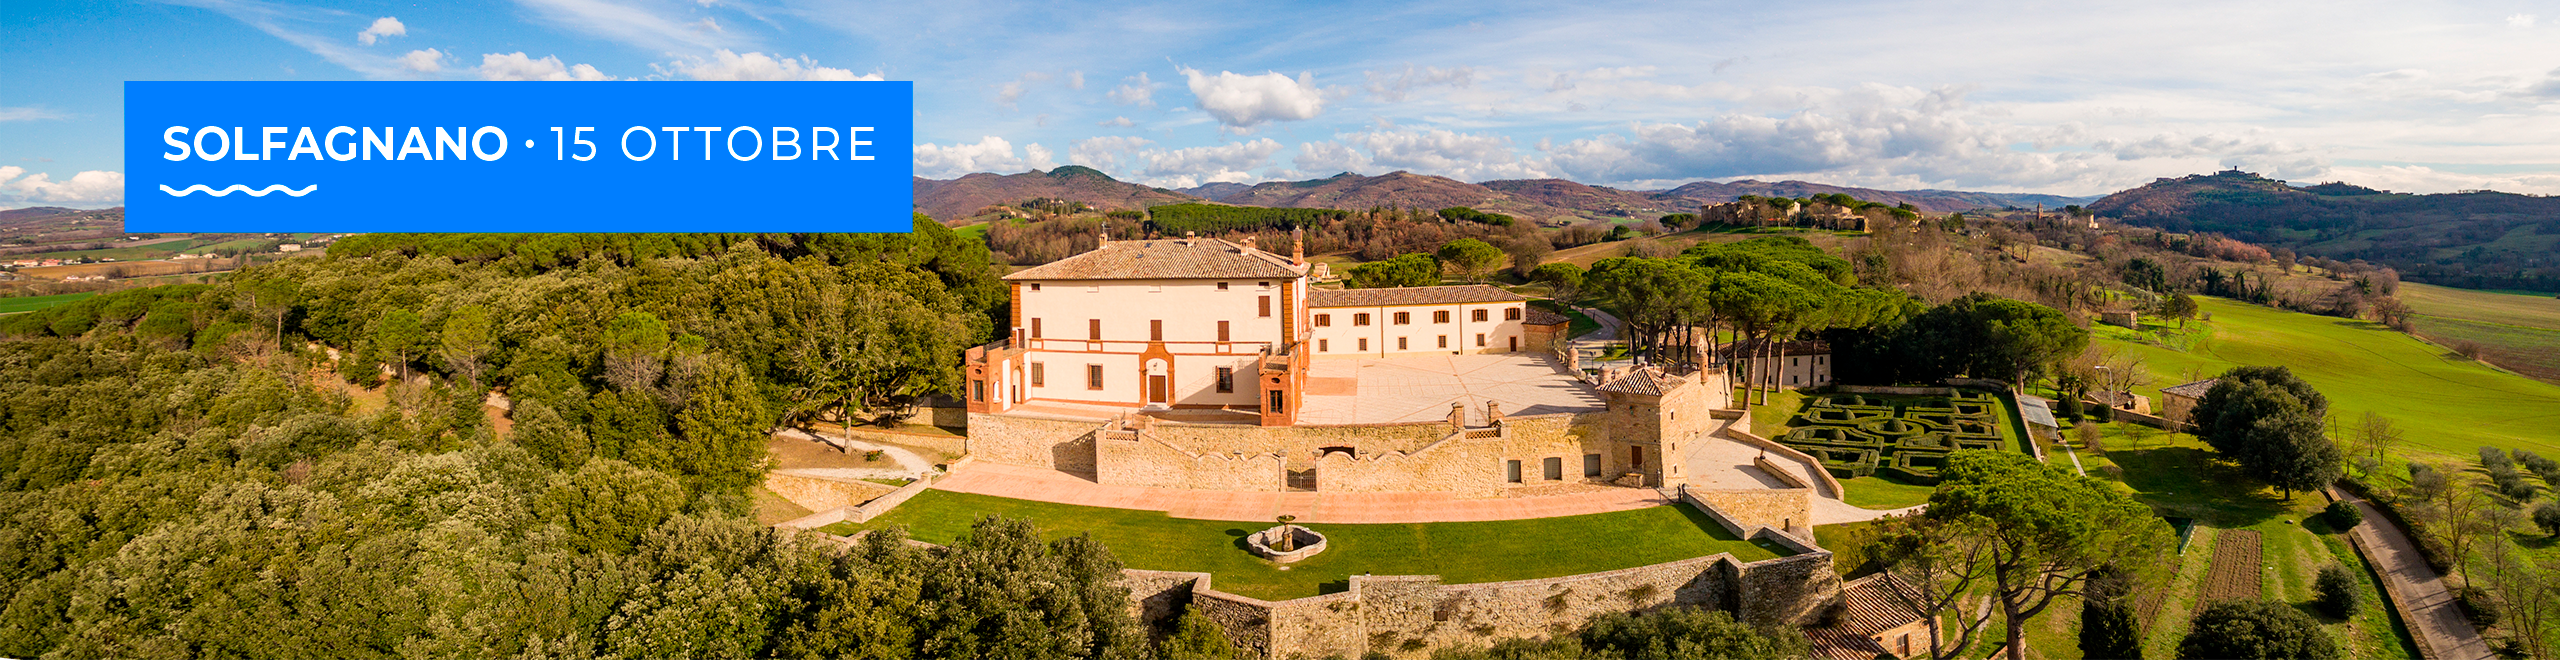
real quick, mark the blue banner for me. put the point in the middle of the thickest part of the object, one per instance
(519, 156)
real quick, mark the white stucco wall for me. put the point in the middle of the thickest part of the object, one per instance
(1342, 337)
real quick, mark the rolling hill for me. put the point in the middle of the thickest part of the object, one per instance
(1553, 202)
(958, 198)
(2472, 239)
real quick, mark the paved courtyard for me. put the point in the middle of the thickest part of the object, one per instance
(1419, 389)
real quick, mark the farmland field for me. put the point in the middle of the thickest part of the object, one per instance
(2235, 574)
(2520, 332)
(2447, 405)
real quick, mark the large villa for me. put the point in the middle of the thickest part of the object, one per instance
(1199, 363)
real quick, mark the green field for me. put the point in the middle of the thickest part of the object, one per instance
(33, 303)
(2534, 310)
(2446, 405)
(2515, 331)
(1457, 552)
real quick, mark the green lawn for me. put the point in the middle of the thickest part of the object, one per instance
(1882, 492)
(1458, 552)
(2445, 405)
(33, 303)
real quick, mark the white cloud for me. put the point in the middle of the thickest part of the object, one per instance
(1107, 153)
(29, 114)
(629, 24)
(1118, 122)
(1184, 168)
(424, 61)
(1395, 86)
(1129, 157)
(1242, 101)
(990, 154)
(382, 27)
(1462, 156)
(516, 66)
(1010, 92)
(1136, 90)
(90, 187)
(1075, 80)
(725, 65)
(1319, 159)
(2521, 20)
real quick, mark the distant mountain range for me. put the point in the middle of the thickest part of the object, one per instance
(1549, 201)
(2477, 239)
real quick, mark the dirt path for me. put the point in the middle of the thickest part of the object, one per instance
(2424, 602)
(909, 464)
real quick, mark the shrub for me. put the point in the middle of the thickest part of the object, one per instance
(2341, 515)
(2513, 485)
(2336, 591)
(2546, 468)
(2477, 605)
(2547, 516)
(2109, 631)
(2103, 413)
(2256, 629)
(2495, 459)
(2069, 406)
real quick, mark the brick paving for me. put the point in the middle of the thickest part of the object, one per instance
(1046, 485)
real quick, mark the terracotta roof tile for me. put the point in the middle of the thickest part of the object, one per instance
(1543, 317)
(2194, 390)
(1164, 259)
(1649, 382)
(1412, 295)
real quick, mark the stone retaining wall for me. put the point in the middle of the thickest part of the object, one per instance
(1831, 483)
(820, 493)
(1747, 511)
(1792, 479)
(1409, 616)
(2152, 421)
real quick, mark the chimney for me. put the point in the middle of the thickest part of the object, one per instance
(1457, 415)
(1102, 236)
(1492, 411)
(1248, 243)
(1298, 251)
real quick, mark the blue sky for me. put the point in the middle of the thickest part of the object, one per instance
(2069, 98)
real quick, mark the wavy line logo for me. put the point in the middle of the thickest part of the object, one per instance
(200, 188)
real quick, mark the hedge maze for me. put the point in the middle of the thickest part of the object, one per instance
(1901, 436)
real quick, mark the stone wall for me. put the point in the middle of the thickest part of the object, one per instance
(820, 493)
(1791, 477)
(950, 446)
(1830, 484)
(1058, 443)
(1409, 616)
(1748, 511)
(866, 511)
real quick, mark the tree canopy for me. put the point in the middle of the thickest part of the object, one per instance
(2270, 423)
(1407, 270)
(2256, 629)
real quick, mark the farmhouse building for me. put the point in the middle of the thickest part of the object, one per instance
(1790, 365)
(2179, 401)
